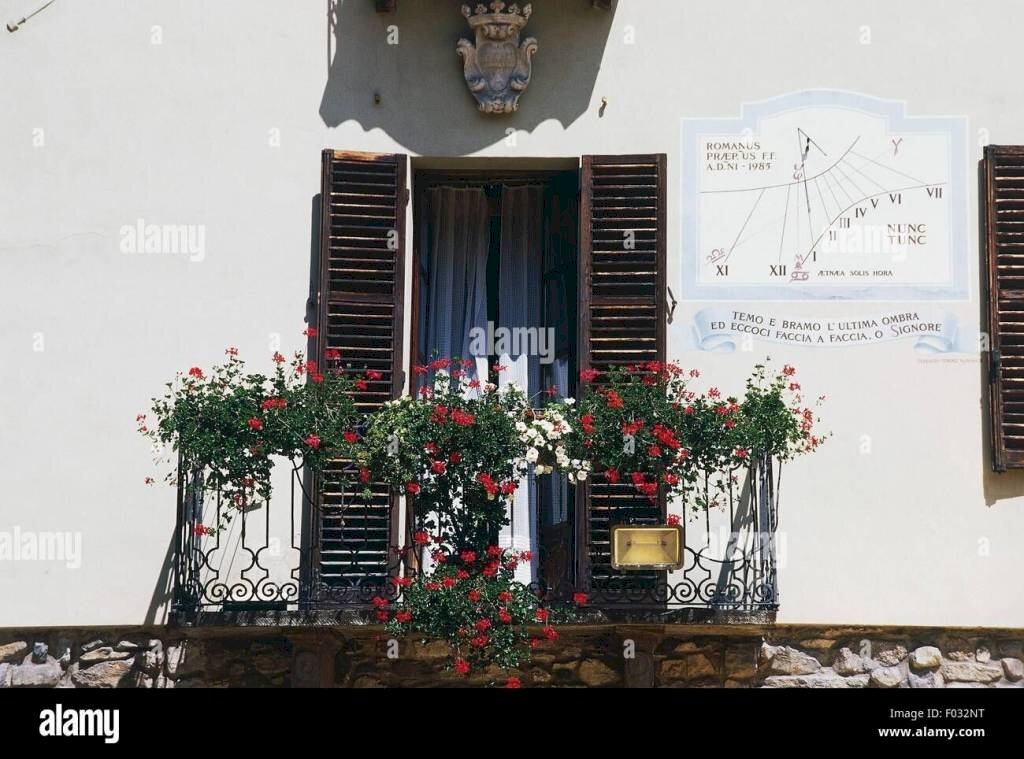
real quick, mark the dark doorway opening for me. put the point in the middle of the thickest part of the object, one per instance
(498, 249)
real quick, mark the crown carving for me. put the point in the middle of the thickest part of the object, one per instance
(498, 21)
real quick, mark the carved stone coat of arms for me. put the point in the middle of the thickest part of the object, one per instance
(498, 66)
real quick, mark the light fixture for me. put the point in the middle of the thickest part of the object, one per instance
(647, 547)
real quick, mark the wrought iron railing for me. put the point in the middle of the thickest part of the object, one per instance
(327, 555)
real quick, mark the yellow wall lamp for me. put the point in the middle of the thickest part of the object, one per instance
(647, 547)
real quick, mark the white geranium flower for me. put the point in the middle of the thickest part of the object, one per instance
(532, 455)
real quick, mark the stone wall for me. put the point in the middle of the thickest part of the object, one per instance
(584, 656)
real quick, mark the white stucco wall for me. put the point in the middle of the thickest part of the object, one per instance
(101, 127)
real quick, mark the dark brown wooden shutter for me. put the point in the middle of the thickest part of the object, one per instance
(1002, 191)
(362, 277)
(622, 321)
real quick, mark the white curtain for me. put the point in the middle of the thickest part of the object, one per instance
(560, 295)
(457, 272)
(519, 307)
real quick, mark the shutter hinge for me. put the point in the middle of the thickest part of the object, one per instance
(995, 364)
(672, 307)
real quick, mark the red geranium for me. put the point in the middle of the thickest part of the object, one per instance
(255, 424)
(462, 418)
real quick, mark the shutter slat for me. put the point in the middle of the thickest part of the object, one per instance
(623, 309)
(361, 312)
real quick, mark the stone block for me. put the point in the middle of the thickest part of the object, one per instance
(823, 679)
(970, 672)
(890, 656)
(106, 674)
(783, 660)
(887, 677)
(848, 663)
(596, 674)
(30, 675)
(13, 652)
(928, 680)
(925, 657)
(104, 653)
(1013, 669)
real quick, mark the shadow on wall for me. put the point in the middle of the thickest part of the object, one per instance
(425, 104)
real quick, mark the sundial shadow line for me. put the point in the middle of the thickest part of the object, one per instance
(888, 168)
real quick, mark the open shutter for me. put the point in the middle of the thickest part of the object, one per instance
(362, 277)
(622, 321)
(1002, 189)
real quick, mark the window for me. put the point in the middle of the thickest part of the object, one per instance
(591, 247)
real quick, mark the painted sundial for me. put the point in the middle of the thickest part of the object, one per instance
(824, 194)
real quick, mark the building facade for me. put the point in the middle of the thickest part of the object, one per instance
(692, 182)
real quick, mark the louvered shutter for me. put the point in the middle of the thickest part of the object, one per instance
(1003, 193)
(622, 321)
(362, 266)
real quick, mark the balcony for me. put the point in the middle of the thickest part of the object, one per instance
(298, 559)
